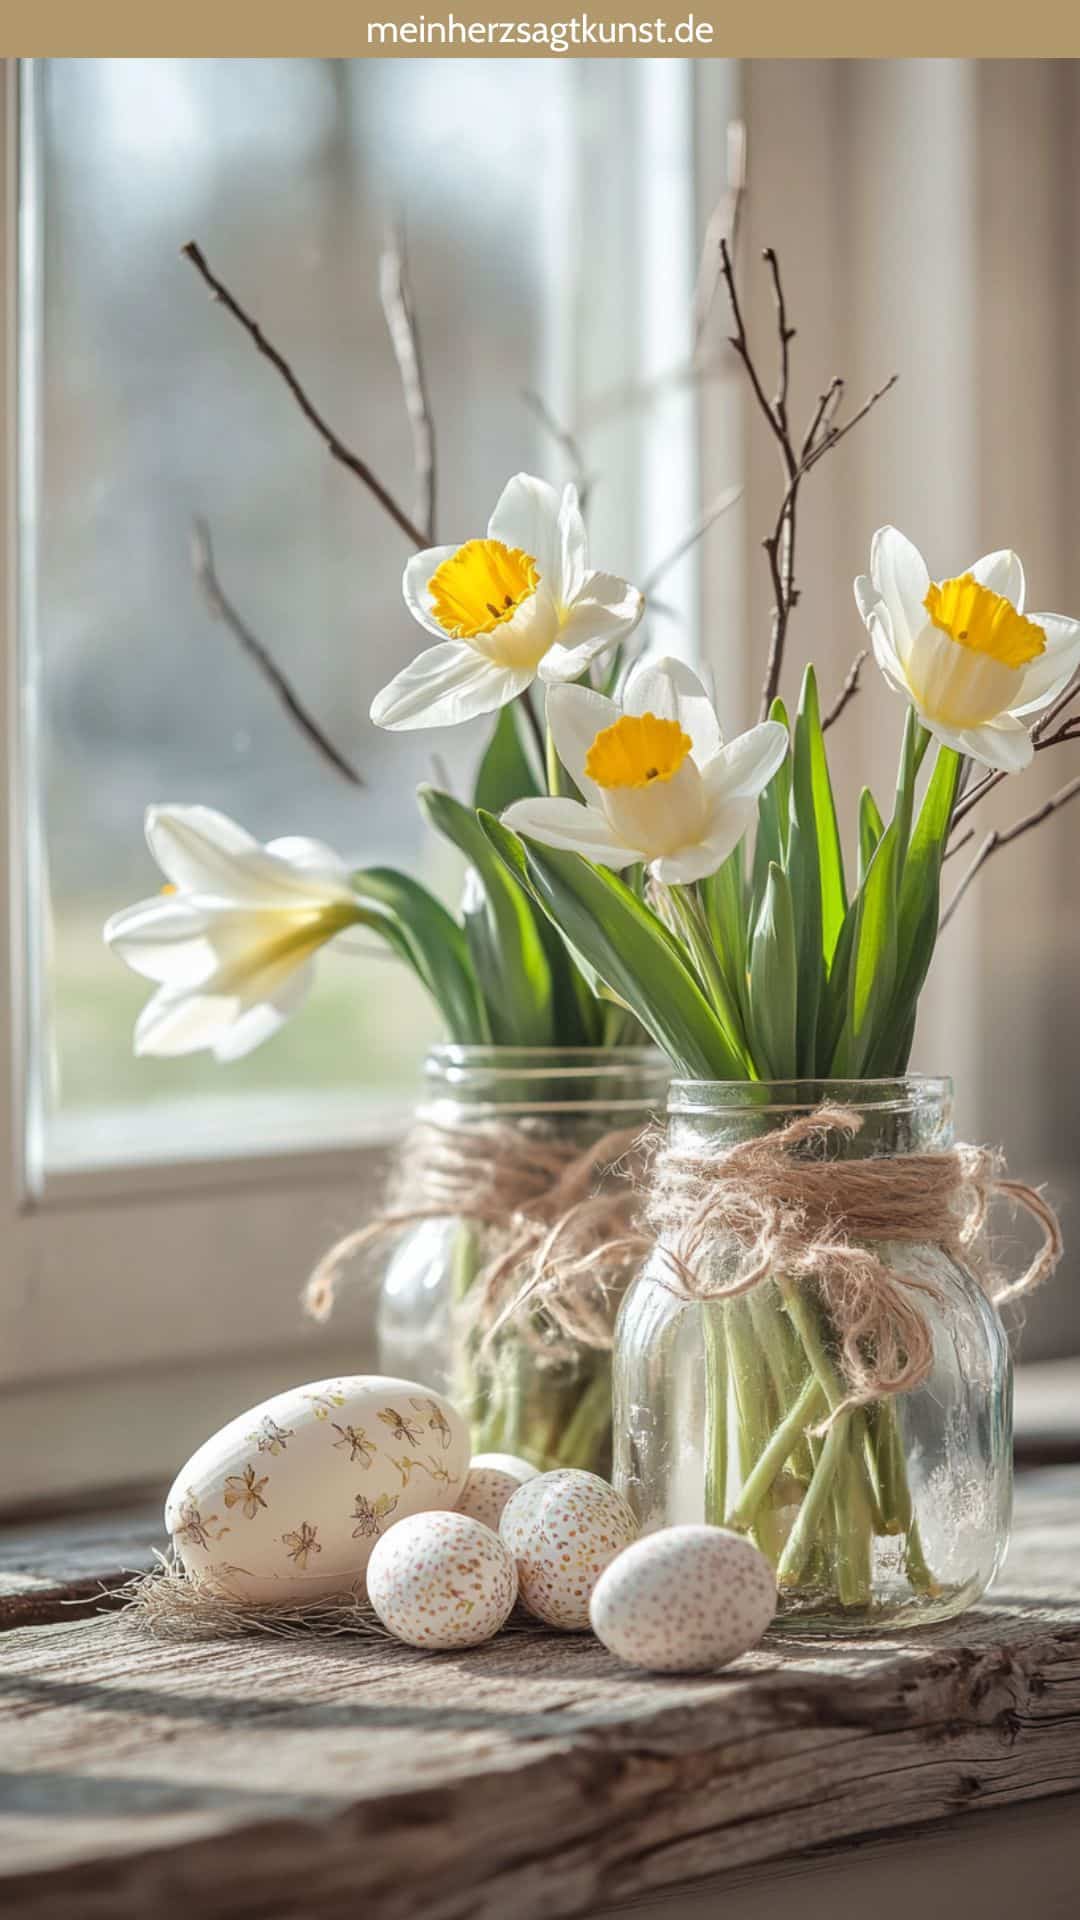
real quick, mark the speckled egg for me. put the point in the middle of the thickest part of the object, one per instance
(563, 1529)
(441, 1580)
(287, 1501)
(684, 1600)
(492, 1478)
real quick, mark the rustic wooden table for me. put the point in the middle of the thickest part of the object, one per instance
(535, 1776)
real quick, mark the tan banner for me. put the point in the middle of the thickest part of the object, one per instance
(538, 29)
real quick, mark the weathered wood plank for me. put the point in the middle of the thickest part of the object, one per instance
(533, 1776)
(56, 1569)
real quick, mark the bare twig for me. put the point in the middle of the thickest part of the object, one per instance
(396, 295)
(690, 538)
(565, 438)
(1002, 836)
(797, 458)
(221, 608)
(964, 840)
(330, 439)
(848, 691)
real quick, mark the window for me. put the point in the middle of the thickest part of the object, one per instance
(164, 1214)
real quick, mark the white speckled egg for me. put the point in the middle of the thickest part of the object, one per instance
(287, 1501)
(492, 1478)
(563, 1528)
(441, 1580)
(684, 1600)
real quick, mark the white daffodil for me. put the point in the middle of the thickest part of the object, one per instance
(963, 651)
(659, 784)
(230, 939)
(519, 603)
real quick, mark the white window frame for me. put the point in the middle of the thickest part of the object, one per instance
(141, 1305)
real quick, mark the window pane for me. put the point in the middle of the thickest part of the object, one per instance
(154, 408)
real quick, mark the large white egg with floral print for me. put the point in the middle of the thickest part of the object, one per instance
(287, 1501)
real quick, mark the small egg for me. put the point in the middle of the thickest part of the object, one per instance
(563, 1529)
(684, 1600)
(491, 1479)
(441, 1580)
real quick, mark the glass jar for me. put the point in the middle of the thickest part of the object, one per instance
(527, 1389)
(886, 1515)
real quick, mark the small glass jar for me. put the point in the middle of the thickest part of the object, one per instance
(888, 1515)
(526, 1390)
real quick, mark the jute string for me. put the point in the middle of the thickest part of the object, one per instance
(805, 1219)
(564, 1215)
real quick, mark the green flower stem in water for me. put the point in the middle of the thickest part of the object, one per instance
(803, 1536)
(753, 1392)
(588, 1430)
(716, 1415)
(808, 1407)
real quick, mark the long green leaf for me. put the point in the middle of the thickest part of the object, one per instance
(774, 982)
(871, 828)
(724, 899)
(918, 909)
(872, 967)
(803, 867)
(636, 956)
(501, 931)
(506, 772)
(774, 811)
(830, 853)
(424, 935)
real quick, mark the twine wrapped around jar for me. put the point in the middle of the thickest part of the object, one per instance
(568, 1214)
(818, 1220)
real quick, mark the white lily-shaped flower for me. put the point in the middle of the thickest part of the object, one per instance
(230, 939)
(659, 784)
(519, 603)
(963, 651)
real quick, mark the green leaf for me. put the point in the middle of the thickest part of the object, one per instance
(506, 772)
(723, 896)
(503, 937)
(872, 967)
(774, 981)
(830, 854)
(871, 828)
(803, 868)
(774, 808)
(918, 909)
(635, 955)
(430, 941)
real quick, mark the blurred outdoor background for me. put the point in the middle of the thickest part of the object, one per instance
(927, 224)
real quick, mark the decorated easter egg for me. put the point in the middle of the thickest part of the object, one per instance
(684, 1600)
(563, 1529)
(441, 1580)
(491, 1479)
(287, 1501)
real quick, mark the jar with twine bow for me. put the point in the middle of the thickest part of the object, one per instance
(813, 1353)
(510, 1232)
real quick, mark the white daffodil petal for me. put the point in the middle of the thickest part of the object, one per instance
(1007, 747)
(957, 685)
(867, 597)
(573, 545)
(443, 685)
(901, 577)
(175, 1023)
(522, 642)
(197, 848)
(527, 516)
(261, 1022)
(698, 862)
(884, 652)
(743, 769)
(606, 611)
(576, 715)
(164, 939)
(1002, 573)
(570, 827)
(562, 664)
(1050, 674)
(314, 858)
(415, 582)
(672, 691)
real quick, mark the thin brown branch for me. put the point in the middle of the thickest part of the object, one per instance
(396, 295)
(1064, 699)
(690, 538)
(1042, 741)
(563, 437)
(1002, 837)
(848, 691)
(964, 840)
(335, 445)
(221, 608)
(785, 336)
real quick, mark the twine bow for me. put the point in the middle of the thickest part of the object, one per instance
(804, 1218)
